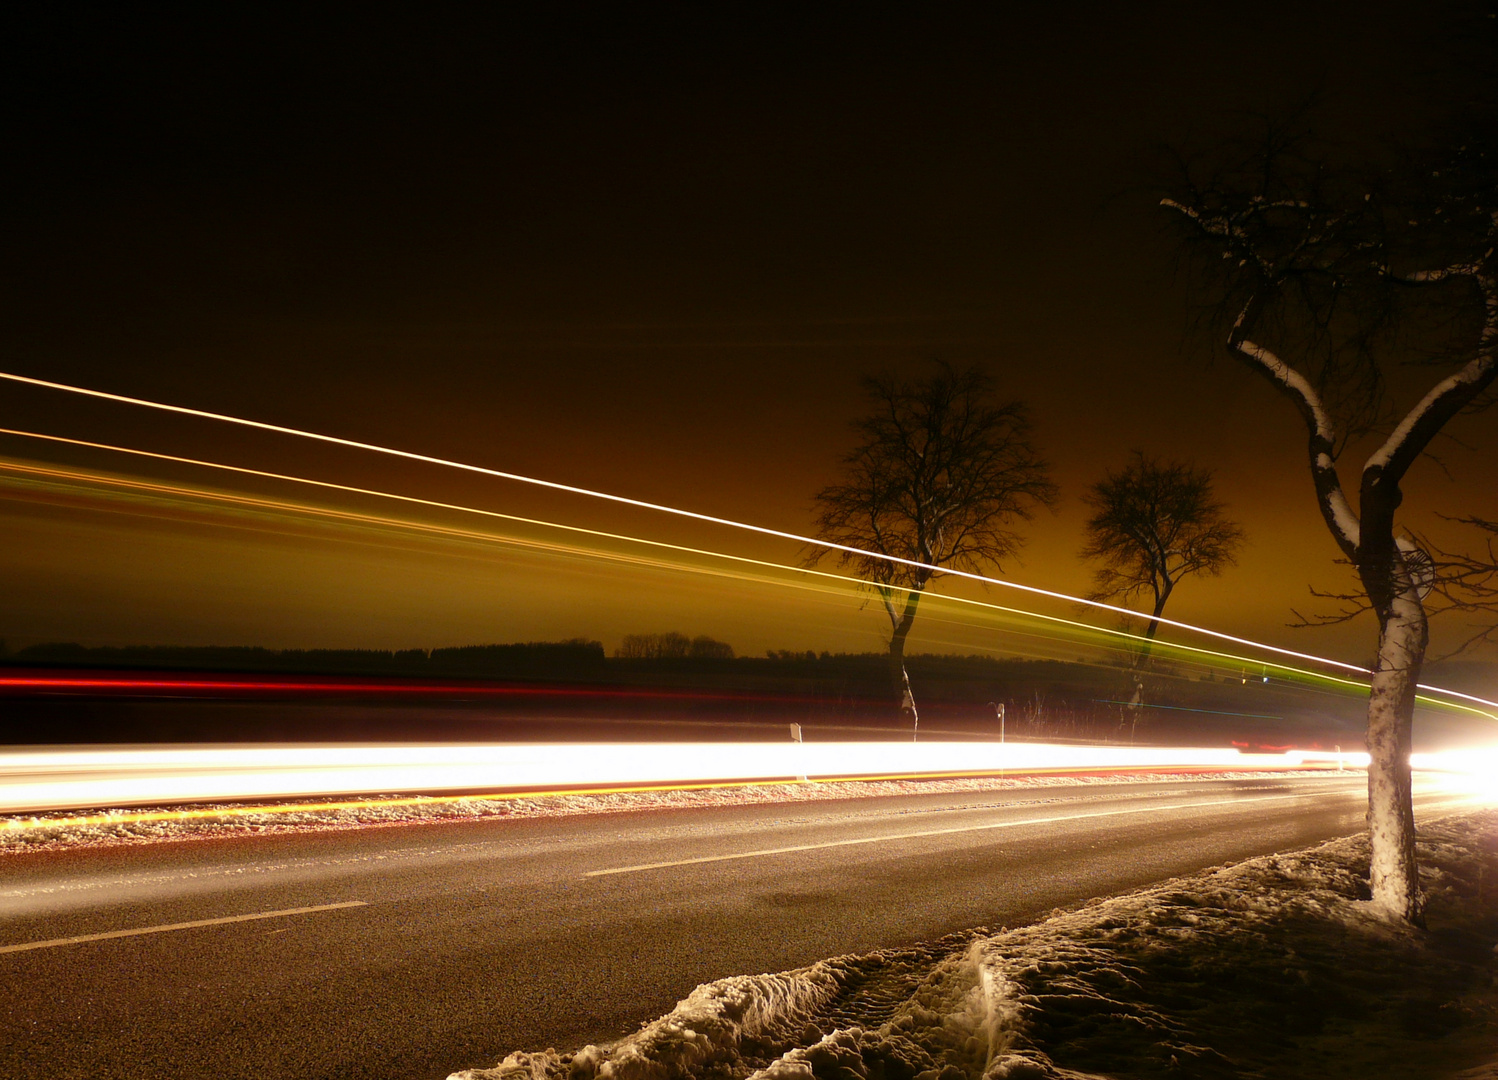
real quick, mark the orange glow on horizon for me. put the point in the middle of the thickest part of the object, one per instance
(451, 532)
(677, 512)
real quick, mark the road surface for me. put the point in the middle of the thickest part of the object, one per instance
(414, 951)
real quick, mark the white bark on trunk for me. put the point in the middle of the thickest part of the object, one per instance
(1393, 875)
(1368, 537)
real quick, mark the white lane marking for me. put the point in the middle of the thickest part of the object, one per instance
(178, 926)
(944, 832)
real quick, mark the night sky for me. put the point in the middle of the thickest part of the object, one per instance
(649, 251)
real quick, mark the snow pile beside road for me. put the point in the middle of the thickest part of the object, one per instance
(1273, 967)
(46, 832)
(951, 1012)
(718, 1022)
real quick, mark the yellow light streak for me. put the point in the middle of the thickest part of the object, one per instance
(822, 575)
(347, 516)
(831, 578)
(691, 515)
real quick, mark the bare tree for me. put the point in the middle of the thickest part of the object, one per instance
(939, 478)
(1308, 265)
(1153, 524)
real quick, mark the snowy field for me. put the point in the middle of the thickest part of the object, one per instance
(136, 825)
(1275, 967)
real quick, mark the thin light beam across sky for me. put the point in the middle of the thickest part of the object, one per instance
(831, 579)
(689, 514)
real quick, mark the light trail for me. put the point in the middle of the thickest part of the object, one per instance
(222, 771)
(1280, 669)
(314, 686)
(1184, 708)
(399, 802)
(693, 515)
(54, 779)
(827, 576)
(352, 517)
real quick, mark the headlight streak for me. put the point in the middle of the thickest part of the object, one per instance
(695, 516)
(836, 584)
(86, 776)
(57, 779)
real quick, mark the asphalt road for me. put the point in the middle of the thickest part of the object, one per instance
(464, 941)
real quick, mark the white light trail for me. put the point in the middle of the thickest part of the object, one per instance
(54, 779)
(695, 516)
(1474, 769)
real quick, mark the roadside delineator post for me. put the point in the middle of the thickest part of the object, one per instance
(796, 737)
(998, 710)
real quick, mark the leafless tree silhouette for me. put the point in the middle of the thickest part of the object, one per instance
(940, 476)
(1311, 268)
(1154, 523)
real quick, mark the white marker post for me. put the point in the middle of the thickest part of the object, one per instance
(998, 711)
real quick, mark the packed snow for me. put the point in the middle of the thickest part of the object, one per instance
(1275, 967)
(134, 825)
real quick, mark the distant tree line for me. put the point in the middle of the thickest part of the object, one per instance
(673, 646)
(577, 658)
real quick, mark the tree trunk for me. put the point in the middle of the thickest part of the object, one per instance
(1161, 595)
(1393, 875)
(899, 679)
(1136, 703)
(901, 683)
(1141, 658)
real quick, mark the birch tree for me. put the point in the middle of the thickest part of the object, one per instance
(941, 475)
(1309, 265)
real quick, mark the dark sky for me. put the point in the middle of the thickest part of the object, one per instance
(648, 251)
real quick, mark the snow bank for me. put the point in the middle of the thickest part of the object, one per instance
(1273, 967)
(727, 1020)
(944, 1008)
